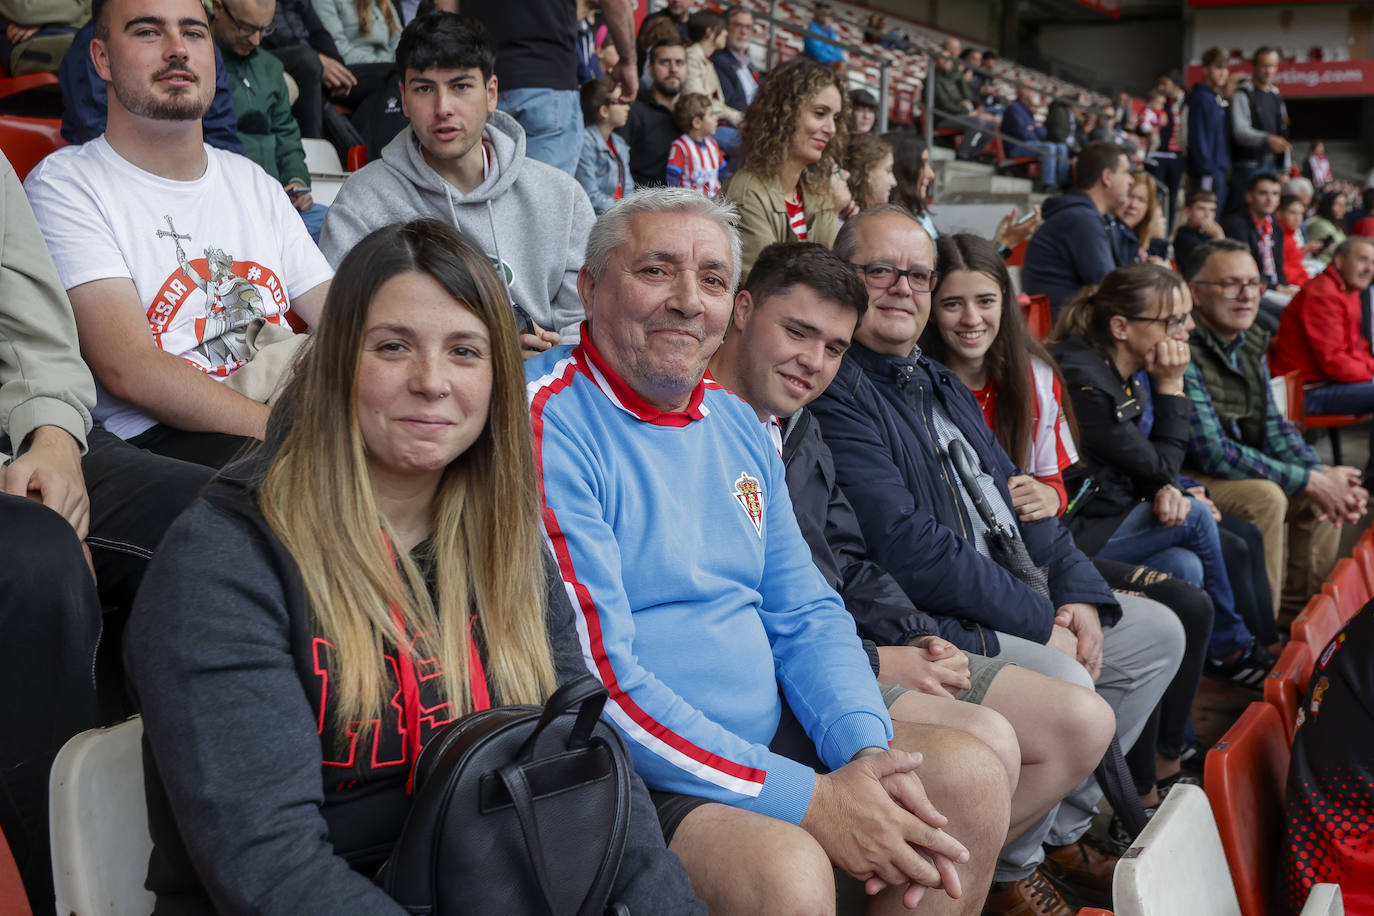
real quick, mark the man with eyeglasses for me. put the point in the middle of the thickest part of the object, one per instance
(1255, 463)
(269, 132)
(893, 418)
(739, 78)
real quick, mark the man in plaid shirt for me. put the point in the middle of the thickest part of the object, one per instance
(1254, 462)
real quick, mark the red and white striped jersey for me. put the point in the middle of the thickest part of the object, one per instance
(695, 165)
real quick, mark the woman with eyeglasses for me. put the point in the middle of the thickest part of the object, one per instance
(1123, 349)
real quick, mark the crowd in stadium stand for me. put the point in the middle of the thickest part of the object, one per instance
(873, 585)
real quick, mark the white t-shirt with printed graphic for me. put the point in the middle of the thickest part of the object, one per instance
(206, 256)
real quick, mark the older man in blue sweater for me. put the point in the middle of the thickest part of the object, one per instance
(734, 670)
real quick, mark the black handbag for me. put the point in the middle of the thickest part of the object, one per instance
(1005, 546)
(1009, 551)
(517, 809)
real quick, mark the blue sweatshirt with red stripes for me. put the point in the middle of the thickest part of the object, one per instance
(695, 596)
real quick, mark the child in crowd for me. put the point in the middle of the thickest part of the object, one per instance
(695, 160)
(1317, 168)
(1199, 225)
(1152, 118)
(603, 168)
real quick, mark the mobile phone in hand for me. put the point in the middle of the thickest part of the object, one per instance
(524, 324)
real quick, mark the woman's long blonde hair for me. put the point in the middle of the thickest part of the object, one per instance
(487, 543)
(771, 121)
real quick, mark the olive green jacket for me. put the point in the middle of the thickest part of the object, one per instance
(763, 216)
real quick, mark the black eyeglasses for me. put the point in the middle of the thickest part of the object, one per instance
(1230, 289)
(1172, 325)
(885, 276)
(246, 29)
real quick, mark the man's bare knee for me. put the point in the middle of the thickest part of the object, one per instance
(960, 772)
(982, 721)
(992, 728)
(742, 862)
(1089, 722)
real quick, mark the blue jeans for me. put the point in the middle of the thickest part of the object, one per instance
(1192, 552)
(314, 220)
(1338, 397)
(1054, 160)
(552, 119)
(729, 139)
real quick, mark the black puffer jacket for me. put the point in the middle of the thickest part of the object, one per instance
(1125, 465)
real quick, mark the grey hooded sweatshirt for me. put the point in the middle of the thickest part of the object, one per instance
(530, 217)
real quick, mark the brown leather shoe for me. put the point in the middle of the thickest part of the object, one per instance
(1084, 864)
(1032, 896)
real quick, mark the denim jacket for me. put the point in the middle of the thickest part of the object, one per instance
(596, 168)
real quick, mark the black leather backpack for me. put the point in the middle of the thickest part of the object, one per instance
(517, 809)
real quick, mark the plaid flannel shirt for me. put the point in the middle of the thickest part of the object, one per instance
(1284, 457)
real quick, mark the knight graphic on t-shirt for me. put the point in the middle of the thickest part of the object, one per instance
(236, 293)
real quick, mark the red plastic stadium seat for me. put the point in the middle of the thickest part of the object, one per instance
(13, 85)
(1245, 775)
(357, 157)
(13, 899)
(1283, 688)
(1317, 623)
(1348, 588)
(1364, 558)
(25, 141)
(1094, 911)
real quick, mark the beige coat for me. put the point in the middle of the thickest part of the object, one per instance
(43, 380)
(701, 77)
(763, 216)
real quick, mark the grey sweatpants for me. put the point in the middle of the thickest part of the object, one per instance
(1139, 657)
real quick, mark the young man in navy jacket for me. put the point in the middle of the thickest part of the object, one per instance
(891, 418)
(1209, 152)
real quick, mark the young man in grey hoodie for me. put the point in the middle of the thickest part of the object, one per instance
(463, 162)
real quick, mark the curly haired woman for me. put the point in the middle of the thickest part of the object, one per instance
(795, 135)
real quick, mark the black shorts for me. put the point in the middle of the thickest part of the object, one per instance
(790, 740)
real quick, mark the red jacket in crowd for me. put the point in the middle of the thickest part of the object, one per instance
(1320, 336)
(1292, 258)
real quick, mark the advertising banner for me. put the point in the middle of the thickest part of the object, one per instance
(1314, 77)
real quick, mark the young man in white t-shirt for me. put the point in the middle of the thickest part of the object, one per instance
(169, 249)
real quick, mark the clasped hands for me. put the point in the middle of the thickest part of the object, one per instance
(873, 819)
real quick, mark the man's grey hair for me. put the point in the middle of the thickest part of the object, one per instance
(1300, 187)
(1345, 247)
(847, 241)
(613, 228)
